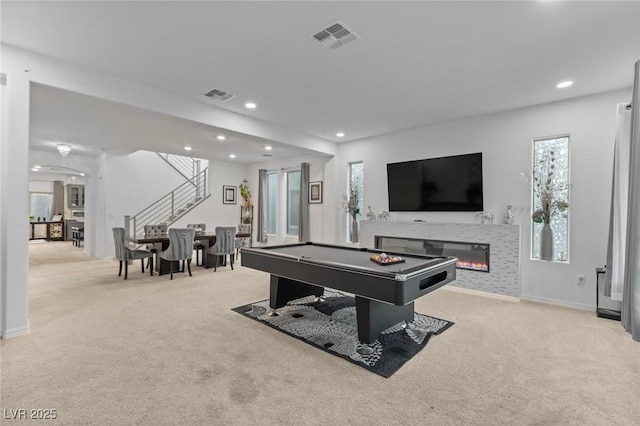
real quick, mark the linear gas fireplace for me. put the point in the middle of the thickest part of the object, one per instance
(471, 256)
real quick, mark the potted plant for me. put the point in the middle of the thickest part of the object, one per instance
(245, 193)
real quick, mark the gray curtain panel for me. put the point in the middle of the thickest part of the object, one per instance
(609, 261)
(631, 295)
(57, 204)
(262, 206)
(303, 226)
(616, 249)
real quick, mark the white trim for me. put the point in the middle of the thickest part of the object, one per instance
(482, 293)
(555, 302)
(13, 332)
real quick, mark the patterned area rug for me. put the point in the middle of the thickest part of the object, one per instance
(331, 326)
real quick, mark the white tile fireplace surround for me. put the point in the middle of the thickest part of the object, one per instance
(504, 240)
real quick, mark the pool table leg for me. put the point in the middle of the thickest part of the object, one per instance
(284, 290)
(374, 317)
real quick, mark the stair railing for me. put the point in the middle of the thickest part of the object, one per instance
(186, 166)
(171, 206)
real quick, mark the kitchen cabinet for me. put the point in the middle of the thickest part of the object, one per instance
(75, 196)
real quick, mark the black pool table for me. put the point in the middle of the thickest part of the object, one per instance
(384, 293)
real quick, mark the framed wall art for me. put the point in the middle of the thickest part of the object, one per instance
(229, 194)
(315, 192)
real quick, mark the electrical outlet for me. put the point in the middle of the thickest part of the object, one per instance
(580, 279)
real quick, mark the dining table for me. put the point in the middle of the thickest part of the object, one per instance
(161, 243)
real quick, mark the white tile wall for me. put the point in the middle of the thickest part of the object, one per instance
(504, 275)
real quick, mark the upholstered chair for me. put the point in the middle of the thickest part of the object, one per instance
(153, 231)
(180, 248)
(197, 245)
(243, 228)
(225, 244)
(124, 254)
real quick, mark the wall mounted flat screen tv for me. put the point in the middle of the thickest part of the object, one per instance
(452, 184)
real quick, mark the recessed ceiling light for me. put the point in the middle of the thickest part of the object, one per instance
(232, 156)
(221, 137)
(37, 167)
(268, 148)
(187, 148)
(81, 174)
(564, 84)
(340, 134)
(250, 105)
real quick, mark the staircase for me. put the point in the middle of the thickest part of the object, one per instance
(172, 206)
(188, 167)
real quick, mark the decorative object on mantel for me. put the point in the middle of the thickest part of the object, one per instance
(509, 215)
(483, 217)
(383, 215)
(370, 214)
(350, 205)
(545, 189)
(245, 193)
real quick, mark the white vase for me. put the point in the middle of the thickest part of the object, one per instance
(370, 214)
(546, 242)
(509, 216)
(354, 230)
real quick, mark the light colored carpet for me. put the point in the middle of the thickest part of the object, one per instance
(150, 351)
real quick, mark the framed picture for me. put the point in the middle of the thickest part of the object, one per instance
(315, 192)
(228, 194)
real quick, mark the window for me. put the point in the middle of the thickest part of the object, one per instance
(356, 181)
(272, 202)
(550, 201)
(293, 202)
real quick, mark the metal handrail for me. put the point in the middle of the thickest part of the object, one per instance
(187, 166)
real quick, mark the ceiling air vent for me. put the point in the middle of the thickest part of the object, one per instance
(219, 95)
(335, 35)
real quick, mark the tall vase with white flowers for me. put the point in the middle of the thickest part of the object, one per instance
(351, 205)
(549, 193)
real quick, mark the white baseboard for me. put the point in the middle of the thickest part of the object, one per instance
(559, 303)
(482, 293)
(13, 332)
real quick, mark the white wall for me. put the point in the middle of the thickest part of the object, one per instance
(14, 200)
(41, 186)
(505, 141)
(130, 184)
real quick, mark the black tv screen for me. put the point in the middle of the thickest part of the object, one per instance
(452, 184)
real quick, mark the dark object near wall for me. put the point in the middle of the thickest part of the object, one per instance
(605, 307)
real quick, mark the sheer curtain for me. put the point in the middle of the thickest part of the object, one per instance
(303, 226)
(619, 206)
(623, 254)
(631, 294)
(262, 206)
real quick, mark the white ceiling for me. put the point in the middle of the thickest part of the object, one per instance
(416, 63)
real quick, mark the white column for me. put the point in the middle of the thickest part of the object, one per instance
(14, 197)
